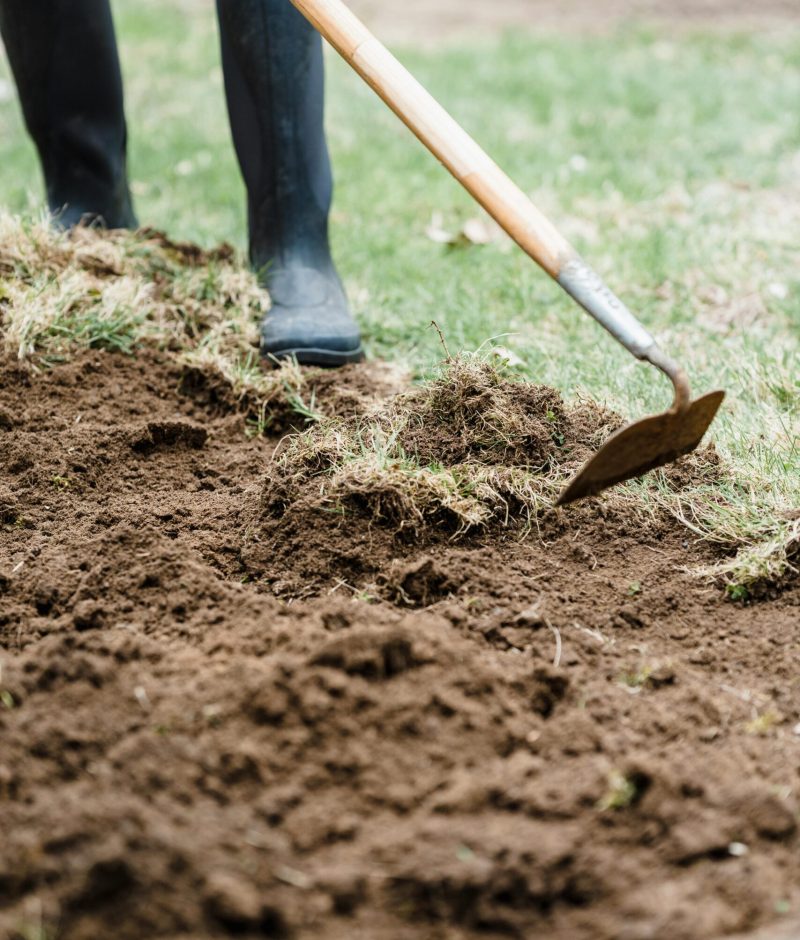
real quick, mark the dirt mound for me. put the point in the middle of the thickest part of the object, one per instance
(471, 413)
(474, 454)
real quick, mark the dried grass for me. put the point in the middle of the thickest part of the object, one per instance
(62, 292)
(431, 456)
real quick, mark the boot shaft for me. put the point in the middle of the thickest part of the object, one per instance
(63, 55)
(274, 82)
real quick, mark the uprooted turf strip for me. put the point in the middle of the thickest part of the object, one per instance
(468, 449)
(471, 445)
(116, 290)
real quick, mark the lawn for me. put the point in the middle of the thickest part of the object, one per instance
(673, 162)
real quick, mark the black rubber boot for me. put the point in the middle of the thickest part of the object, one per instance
(64, 58)
(272, 60)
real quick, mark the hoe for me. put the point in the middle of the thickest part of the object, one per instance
(635, 449)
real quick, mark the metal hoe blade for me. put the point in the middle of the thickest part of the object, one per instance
(643, 446)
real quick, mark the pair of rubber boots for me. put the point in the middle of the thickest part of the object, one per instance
(64, 58)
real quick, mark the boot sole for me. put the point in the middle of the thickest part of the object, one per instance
(311, 356)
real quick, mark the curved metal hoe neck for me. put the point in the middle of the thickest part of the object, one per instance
(677, 375)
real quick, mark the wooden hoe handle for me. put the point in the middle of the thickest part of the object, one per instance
(484, 179)
(440, 133)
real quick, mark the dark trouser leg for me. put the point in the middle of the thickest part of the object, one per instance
(273, 67)
(64, 58)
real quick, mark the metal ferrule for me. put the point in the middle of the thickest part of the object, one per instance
(588, 289)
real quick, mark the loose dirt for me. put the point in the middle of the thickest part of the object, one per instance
(220, 716)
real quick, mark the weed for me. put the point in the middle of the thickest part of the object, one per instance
(764, 723)
(737, 592)
(295, 401)
(636, 680)
(34, 930)
(115, 331)
(622, 792)
(212, 713)
(257, 427)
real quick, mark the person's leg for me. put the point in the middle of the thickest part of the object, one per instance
(272, 60)
(63, 54)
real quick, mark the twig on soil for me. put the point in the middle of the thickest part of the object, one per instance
(361, 594)
(340, 582)
(557, 634)
(293, 877)
(658, 551)
(747, 695)
(435, 325)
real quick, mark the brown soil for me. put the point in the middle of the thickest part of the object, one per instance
(564, 735)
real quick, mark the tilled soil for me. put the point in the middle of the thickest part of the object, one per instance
(214, 725)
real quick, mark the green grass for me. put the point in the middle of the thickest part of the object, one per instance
(672, 162)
